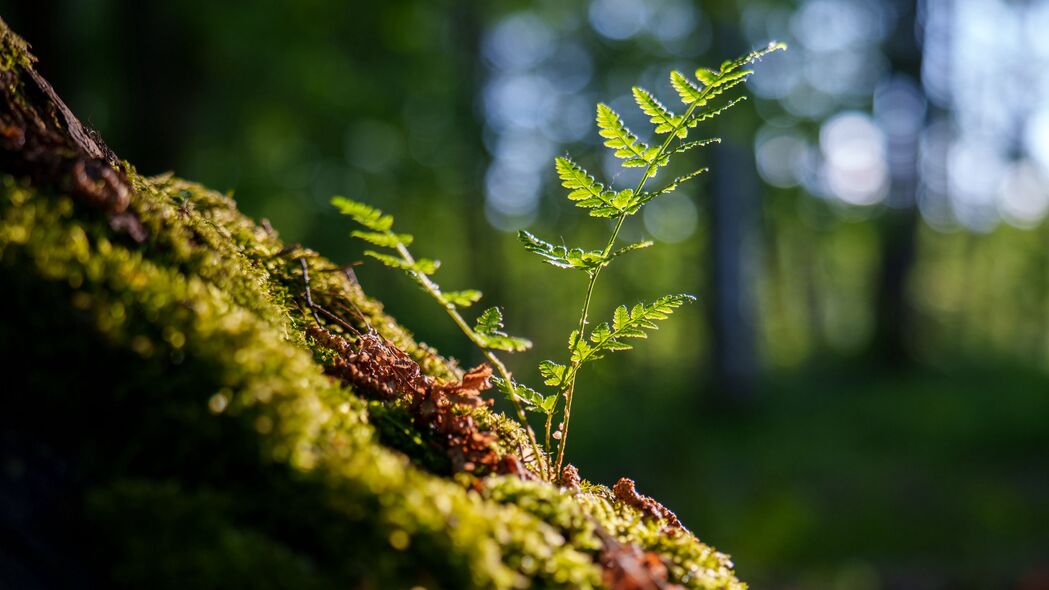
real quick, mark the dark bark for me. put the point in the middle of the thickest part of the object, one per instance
(41, 139)
(732, 310)
(894, 313)
(733, 216)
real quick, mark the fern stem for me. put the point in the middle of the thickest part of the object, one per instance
(435, 291)
(567, 385)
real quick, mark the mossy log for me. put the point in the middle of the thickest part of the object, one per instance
(166, 423)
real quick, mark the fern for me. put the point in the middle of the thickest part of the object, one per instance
(698, 94)
(487, 333)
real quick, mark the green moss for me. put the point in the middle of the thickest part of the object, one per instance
(210, 431)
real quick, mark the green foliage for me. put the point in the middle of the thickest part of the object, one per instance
(601, 200)
(626, 323)
(489, 328)
(487, 332)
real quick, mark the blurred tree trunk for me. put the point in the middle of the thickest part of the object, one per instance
(894, 313)
(732, 306)
(733, 226)
(483, 252)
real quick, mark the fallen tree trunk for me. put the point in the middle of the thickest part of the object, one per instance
(168, 421)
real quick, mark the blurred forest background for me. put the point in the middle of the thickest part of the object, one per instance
(860, 398)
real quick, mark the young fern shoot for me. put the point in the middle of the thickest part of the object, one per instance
(487, 333)
(602, 201)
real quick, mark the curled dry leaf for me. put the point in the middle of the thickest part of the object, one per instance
(570, 477)
(376, 367)
(626, 493)
(627, 567)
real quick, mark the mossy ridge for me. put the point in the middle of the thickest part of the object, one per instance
(205, 335)
(274, 388)
(209, 289)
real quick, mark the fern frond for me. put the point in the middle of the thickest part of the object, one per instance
(422, 265)
(532, 400)
(734, 64)
(631, 248)
(646, 197)
(688, 91)
(384, 239)
(721, 88)
(691, 145)
(633, 152)
(631, 323)
(464, 298)
(368, 216)
(562, 256)
(586, 191)
(665, 120)
(489, 328)
(701, 116)
(553, 373)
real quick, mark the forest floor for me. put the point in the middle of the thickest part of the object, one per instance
(934, 478)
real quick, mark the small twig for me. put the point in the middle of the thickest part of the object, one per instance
(317, 308)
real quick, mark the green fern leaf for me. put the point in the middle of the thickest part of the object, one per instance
(553, 373)
(562, 256)
(701, 116)
(630, 248)
(585, 190)
(721, 88)
(707, 77)
(384, 239)
(532, 400)
(646, 197)
(691, 145)
(390, 261)
(579, 348)
(633, 152)
(665, 121)
(368, 216)
(423, 265)
(630, 324)
(757, 54)
(489, 330)
(688, 91)
(490, 321)
(464, 298)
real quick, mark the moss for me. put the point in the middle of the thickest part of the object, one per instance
(174, 380)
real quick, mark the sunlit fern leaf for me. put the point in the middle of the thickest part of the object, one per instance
(704, 115)
(630, 323)
(646, 197)
(489, 328)
(553, 373)
(561, 256)
(688, 91)
(635, 153)
(578, 346)
(630, 248)
(384, 239)
(707, 77)
(586, 192)
(464, 298)
(368, 216)
(532, 400)
(716, 91)
(691, 145)
(664, 119)
(422, 265)
(734, 64)
(390, 261)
